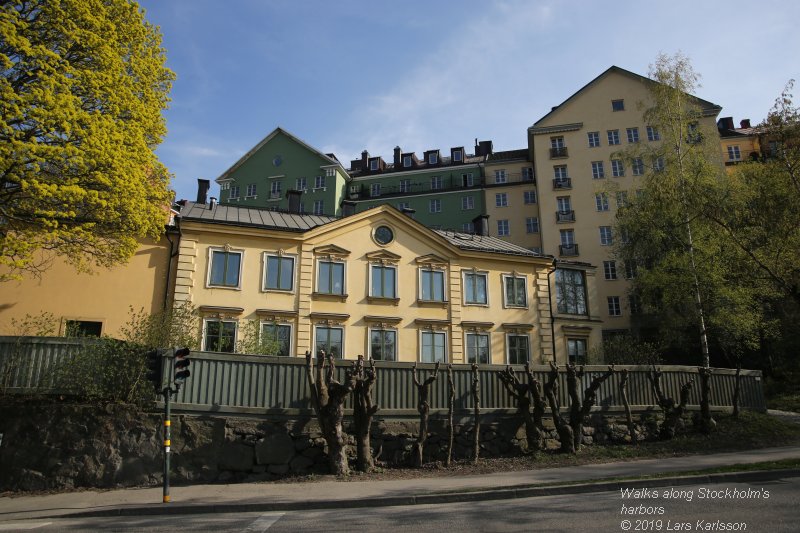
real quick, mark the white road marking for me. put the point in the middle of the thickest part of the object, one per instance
(18, 527)
(265, 521)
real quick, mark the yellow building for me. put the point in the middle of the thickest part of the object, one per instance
(381, 284)
(93, 304)
(582, 182)
(738, 144)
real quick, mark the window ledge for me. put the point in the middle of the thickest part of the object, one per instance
(383, 300)
(226, 287)
(328, 296)
(476, 304)
(278, 291)
(432, 303)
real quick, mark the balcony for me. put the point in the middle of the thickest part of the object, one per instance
(557, 153)
(454, 183)
(568, 250)
(565, 216)
(562, 183)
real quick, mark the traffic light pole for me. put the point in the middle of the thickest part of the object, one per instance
(167, 435)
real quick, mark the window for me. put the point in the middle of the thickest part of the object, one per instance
(384, 281)
(405, 185)
(432, 346)
(234, 194)
(436, 183)
(630, 270)
(458, 156)
(251, 190)
(432, 285)
(501, 199)
(598, 172)
(557, 142)
(403, 205)
(475, 288)
(82, 328)
(225, 267)
(406, 161)
(560, 172)
(515, 291)
(618, 105)
(280, 273)
(613, 137)
(466, 180)
(530, 197)
(468, 227)
(610, 269)
(622, 199)
(733, 153)
(319, 207)
(638, 166)
(652, 134)
(605, 236)
(614, 308)
(570, 291)
(275, 189)
(601, 201)
(375, 189)
(693, 135)
(435, 206)
(564, 204)
(658, 164)
(281, 334)
(634, 304)
(527, 174)
(220, 335)
(433, 159)
(478, 348)
(330, 340)
(594, 139)
(532, 225)
(467, 202)
(300, 184)
(567, 237)
(500, 176)
(617, 168)
(633, 135)
(373, 165)
(319, 182)
(330, 278)
(503, 229)
(576, 351)
(519, 349)
(383, 344)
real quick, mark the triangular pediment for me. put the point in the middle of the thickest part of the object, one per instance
(331, 250)
(432, 260)
(381, 256)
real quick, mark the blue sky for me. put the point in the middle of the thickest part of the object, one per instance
(349, 75)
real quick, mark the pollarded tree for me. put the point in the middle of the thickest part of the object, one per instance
(82, 87)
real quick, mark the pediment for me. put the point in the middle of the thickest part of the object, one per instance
(382, 256)
(331, 250)
(432, 260)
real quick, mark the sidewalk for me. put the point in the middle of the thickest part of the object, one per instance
(246, 497)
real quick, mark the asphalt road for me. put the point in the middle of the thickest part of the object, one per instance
(742, 507)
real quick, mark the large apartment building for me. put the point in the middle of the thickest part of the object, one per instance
(556, 197)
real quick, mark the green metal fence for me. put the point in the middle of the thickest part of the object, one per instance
(260, 385)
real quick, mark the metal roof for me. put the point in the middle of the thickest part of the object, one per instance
(252, 217)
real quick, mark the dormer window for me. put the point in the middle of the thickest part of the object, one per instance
(406, 161)
(458, 156)
(373, 165)
(433, 158)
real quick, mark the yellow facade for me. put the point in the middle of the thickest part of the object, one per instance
(97, 303)
(582, 181)
(405, 317)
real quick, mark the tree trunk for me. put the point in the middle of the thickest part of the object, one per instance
(565, 433)
(672, 412)
(519, 393)
(327, 398)
(574, 374)
(423, 407)
(476, 401)
(623, 393)
(363, 410)
(737, 388)
(451, 401)
(589, 399)
(538, 408)
(707, 424)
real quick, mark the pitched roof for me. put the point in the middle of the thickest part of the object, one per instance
(508, 155)
(481, 243)
(705, 104)
(327, 157)
(252, 217)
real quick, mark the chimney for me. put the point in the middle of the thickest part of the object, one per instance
(745, 123)
(202, 190)
(397, 156)
(486, 148)
(408, 211)
(364, 160)
(481, 225)
(212, 202)
(726, 123)
(294, 200)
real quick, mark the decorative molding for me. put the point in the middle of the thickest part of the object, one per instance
(383, 257)
(582, 331)
(431, 323)
(331, 252)
(542, 130)
(274, 314)
(386, 319)
(474, 325)
(515, 326)
(329, 319)
(220, 311)
(433, 261)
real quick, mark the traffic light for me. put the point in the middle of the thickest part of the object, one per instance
(154, 361)
(182, 364)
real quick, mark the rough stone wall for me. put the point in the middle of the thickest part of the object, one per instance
(62, 446)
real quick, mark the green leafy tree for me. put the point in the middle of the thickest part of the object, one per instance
(82, 87)
(254, 340)
(174, 326)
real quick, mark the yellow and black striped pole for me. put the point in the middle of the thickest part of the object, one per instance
(167, 436)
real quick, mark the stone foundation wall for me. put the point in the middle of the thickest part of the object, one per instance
(51, 447)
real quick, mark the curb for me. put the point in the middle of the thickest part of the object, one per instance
(519, 491)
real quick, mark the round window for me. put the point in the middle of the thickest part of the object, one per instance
(384, 235)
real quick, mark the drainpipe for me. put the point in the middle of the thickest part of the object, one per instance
(552, 315)
(173, 252)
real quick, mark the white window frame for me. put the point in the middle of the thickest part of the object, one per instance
(653, 134)
(405, 185)
(506, 278)
(373, 165)
(372, 329)
(277, 324)
(319, 183)
(508, 347)
(407, 161)
(560, 172)
(467, 202)
(275, 189)
(319, 207)
(501, 199)
(500, 176)
(476, 273)
(434, 333)
(574, 302)
(617, 168)
(467, 180)
(637, 166)
(733, 153)
(594, 139)
(633, 135)
(614, 306)
(610, 270)
(458, 156)
(563, 204)
(567, 237)
(613, 137)
(528, 174)
(396, 281)
(328, 327)
(529, 197)
(234, 194)
(606, 236)
(436, 183)
(503, 228)
(622, 199)
(375, 190)
(420, 284)
(601, 201)
(532, 224)
(579, 341)
(211, 251)
(476, 334)
(598, 170)
(265, 260)
(435, 205)
(317, 272)
(433, 158)
(252, 189)
(235, 323)
(301, 184)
